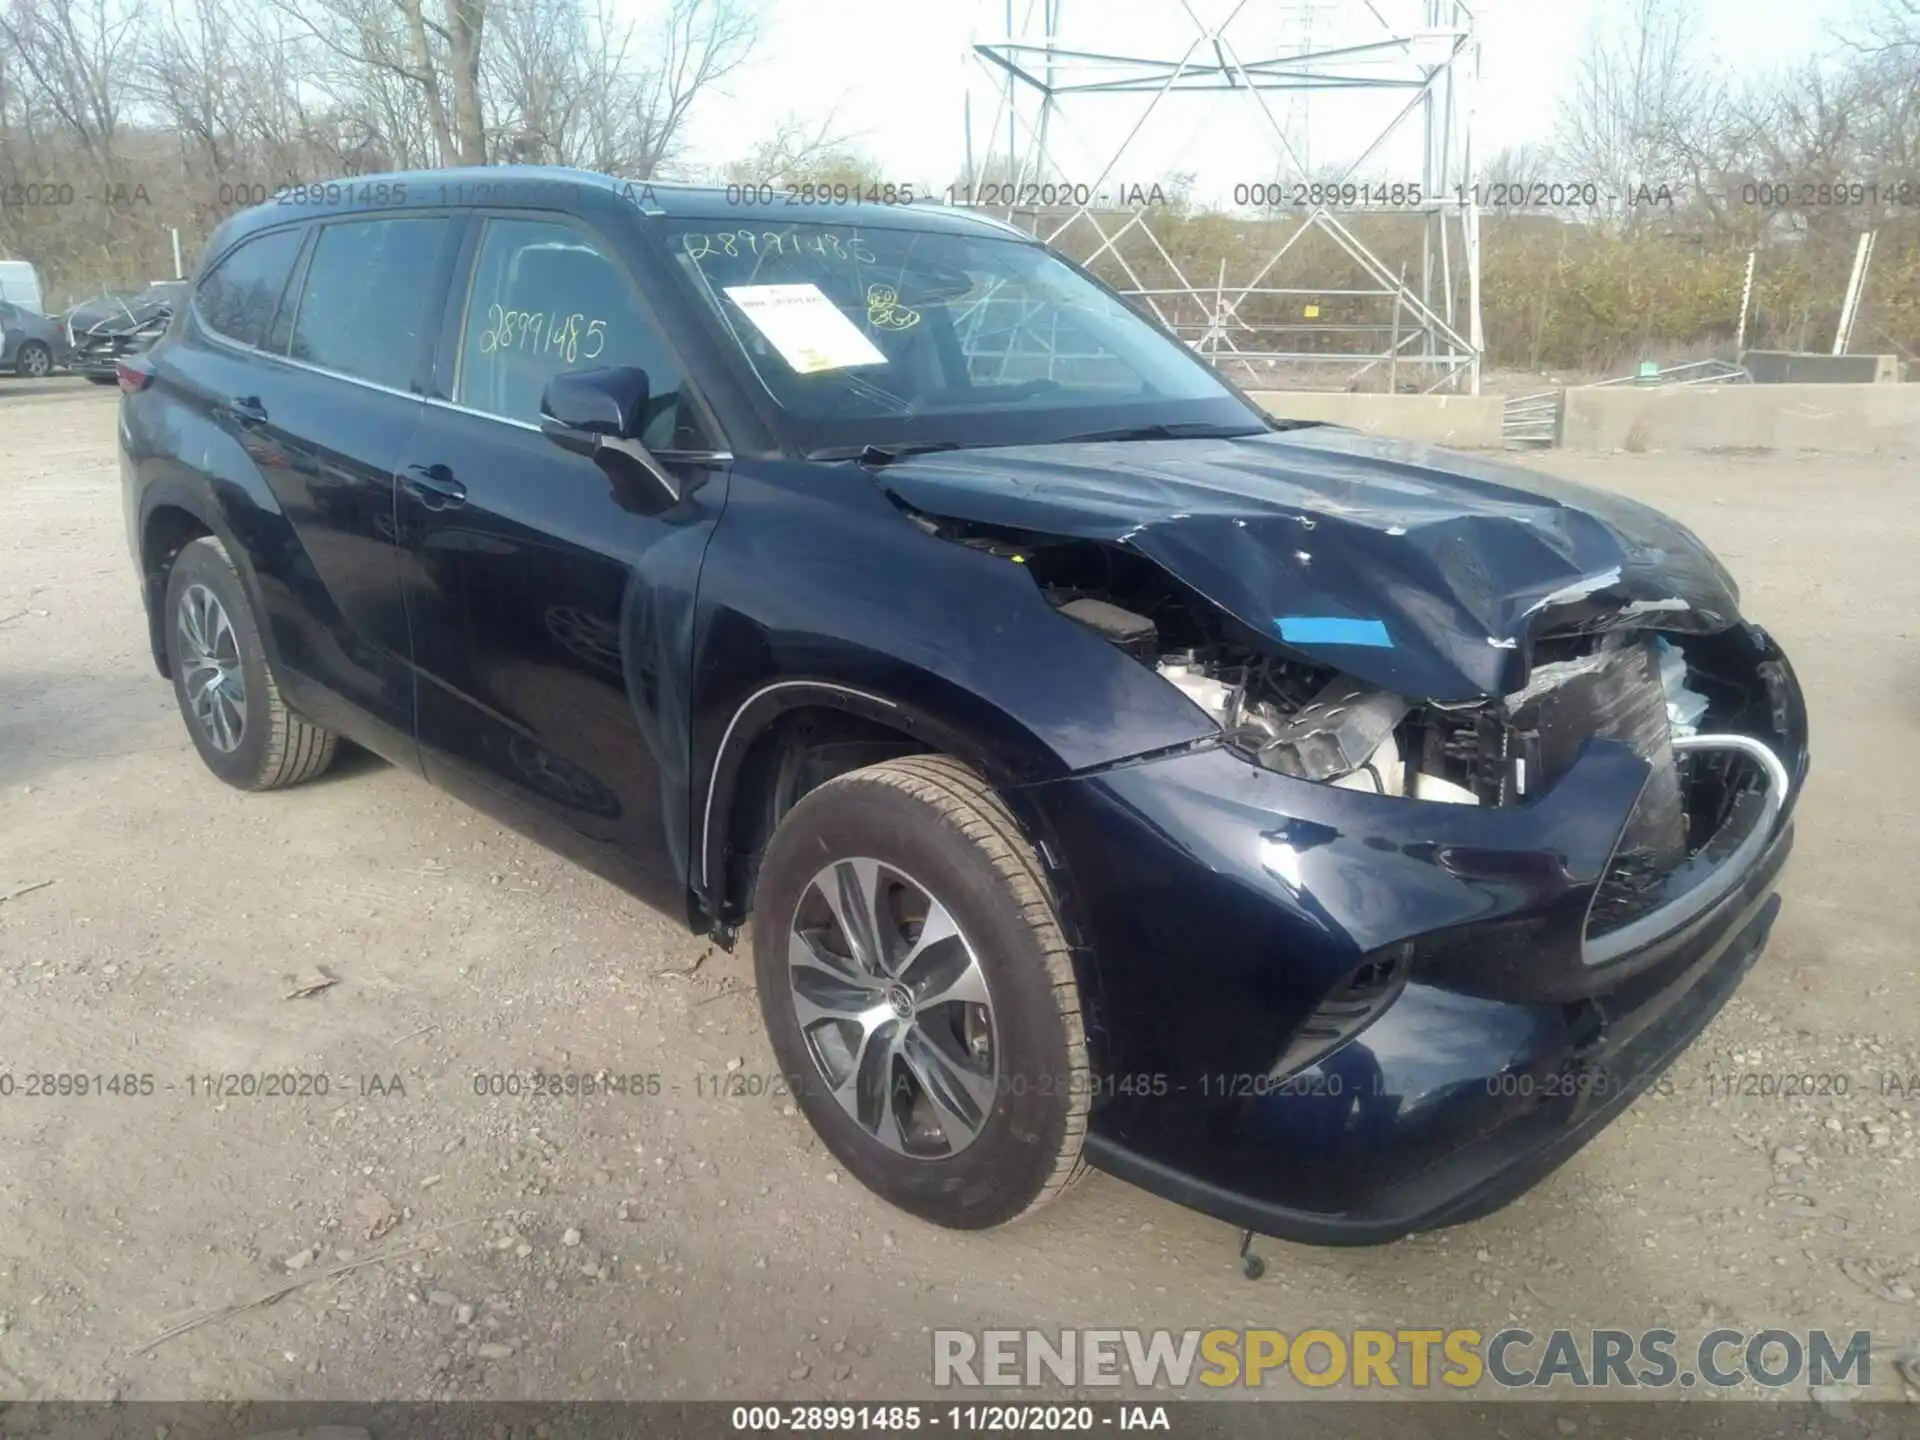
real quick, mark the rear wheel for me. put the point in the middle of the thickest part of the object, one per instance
(242, 728)
(919, 992)
(35, 360)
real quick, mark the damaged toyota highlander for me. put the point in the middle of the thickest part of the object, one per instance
(1327, 832)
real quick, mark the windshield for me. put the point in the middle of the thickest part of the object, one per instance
(874, 336)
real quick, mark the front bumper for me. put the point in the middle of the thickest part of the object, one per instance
(1221, 903)
(98, 354)
(93, 362)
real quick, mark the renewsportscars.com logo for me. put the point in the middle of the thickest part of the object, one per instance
(1415, 1359)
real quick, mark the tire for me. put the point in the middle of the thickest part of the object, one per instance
(270, 745)
(926, 828)
(34, 362)
(104, 379)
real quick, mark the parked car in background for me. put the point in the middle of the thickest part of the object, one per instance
(102, 331)
(31, 344)
(20, 285)
(1328, 832)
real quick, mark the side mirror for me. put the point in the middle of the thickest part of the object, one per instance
(604, 403)
(599, 413)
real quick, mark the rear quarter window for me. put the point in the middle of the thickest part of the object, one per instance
(238, 296)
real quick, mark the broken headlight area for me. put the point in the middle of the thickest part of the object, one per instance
(1702, 710)
(103, 331)
(1711, 736)
(105, 344)
(1691, 706)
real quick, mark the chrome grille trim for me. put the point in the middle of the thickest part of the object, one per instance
(1645, 929)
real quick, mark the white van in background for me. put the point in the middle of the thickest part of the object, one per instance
(20, 285)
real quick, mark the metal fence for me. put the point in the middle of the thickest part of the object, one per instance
(1532, 422)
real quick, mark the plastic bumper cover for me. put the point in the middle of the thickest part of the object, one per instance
(1223, 901)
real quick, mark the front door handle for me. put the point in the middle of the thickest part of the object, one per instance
(433, 486)
(248, 410)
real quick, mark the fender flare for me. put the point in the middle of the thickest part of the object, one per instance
(765, 704)
(773, 698)
(198, 501)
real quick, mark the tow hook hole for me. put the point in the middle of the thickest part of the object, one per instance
(1586, 1026)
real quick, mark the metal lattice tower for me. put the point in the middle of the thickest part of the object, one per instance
(1122, 82)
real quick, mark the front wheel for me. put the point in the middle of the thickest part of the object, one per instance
(919, 993)
(242, 728)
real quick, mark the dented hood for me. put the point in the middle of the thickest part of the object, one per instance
(1425, 571)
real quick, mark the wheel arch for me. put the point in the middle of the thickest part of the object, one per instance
(746, 788)
(174, 515)
(736, 802)
(164, 533)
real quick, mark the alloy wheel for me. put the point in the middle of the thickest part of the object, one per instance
(36, 361)
(893, 1007)
(212, 676)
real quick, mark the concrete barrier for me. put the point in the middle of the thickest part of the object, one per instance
(1464, 421)
(1861, 419)
(1794, 367)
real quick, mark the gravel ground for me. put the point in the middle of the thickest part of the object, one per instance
(697, 1243)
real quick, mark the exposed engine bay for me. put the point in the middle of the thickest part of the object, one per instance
(1319, 725)
(1604, 678)
(1313, 722)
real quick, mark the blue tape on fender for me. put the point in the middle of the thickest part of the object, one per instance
(1333, 630)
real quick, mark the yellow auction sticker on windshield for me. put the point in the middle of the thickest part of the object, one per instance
(807, 328)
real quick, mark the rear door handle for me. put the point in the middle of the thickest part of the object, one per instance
(433, 486)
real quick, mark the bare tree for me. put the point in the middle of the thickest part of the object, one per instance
(193, 78)
(1643, 103)
(1518, 167)
(797, 147)
(1894, 29)
(700, 44)
(412, 59)
(568, 86)
(1796, 128)
(1889, 122)
(76, 56)
(533, 68)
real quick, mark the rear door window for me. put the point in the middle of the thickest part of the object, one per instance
(238, 296)
(547, 298)
(368, 295)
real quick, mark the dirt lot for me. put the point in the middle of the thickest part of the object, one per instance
(690, 1245)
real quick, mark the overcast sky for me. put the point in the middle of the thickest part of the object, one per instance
(895, 75)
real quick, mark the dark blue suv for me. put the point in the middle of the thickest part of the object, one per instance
(1326, 832)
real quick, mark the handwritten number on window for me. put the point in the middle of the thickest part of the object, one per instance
(543, 331)
(490, 338)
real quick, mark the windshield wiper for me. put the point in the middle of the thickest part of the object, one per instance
(878, 455)
(1181, 430)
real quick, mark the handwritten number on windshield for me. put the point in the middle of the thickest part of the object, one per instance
(752, 244)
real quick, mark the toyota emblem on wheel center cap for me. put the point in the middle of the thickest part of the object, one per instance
(900, 1001)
